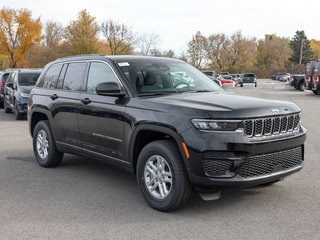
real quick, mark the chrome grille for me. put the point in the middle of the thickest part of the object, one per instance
(271, 126)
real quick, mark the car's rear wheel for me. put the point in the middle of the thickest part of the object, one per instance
(44, 146)
(162, 177)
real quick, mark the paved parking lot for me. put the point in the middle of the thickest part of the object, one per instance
(86, 199)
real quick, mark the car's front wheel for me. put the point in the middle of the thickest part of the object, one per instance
(18, 115)
(44, 146)
(162, 177)
(301, 86)
(6, 108)
(316, 92)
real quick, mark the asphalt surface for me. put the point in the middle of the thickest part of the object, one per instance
(86, 199)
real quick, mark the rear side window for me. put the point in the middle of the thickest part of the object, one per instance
(50, 78)
(73, 80)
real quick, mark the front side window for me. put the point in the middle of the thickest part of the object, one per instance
(74, 76)
(165, 77)
(99, 73)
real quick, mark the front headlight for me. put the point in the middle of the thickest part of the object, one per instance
(216, 125)
(24, 95)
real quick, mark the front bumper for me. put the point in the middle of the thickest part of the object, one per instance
(22, 106)
(236, 154)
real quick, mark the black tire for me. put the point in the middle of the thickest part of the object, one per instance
(301, 86)
(255, 85)
(316, 92)
(7, 109)
(180, 187)
(18, 115)
(53, 157)
(241, 85)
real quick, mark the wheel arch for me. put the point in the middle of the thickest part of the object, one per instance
(146, 133)
(37, 116)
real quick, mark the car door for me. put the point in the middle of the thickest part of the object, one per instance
(101, 119)
(65, 104)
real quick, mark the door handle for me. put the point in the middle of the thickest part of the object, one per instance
(54, 96)
(85, 101)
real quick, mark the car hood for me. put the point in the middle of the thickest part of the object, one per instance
(25, 89)
(221, 105)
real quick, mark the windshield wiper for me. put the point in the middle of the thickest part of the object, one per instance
(151, 94)
(199, 91)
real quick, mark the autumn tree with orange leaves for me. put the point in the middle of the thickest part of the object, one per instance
(18, 33)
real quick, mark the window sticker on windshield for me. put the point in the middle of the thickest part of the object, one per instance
(124, 64)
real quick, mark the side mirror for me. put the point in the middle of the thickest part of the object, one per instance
(9, 85)
(112, 89)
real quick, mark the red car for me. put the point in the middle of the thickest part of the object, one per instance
(228, 80)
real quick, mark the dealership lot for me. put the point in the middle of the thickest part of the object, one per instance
(86, 199)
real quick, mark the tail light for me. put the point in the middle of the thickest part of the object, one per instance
(1, 84)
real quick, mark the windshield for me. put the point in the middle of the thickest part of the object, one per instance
(166, 77)
(28, 79)
(248, 75)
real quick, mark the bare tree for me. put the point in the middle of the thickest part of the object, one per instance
(147, 42)
(53, 34)
(120, 38)
(197, 50)
(217, 51)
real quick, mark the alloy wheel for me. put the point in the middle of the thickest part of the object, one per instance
(158, 177)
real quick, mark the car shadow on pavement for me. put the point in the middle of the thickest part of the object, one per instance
(122, 185)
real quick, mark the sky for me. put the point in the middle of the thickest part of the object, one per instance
(175, 21)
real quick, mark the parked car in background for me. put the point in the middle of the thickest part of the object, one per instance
(283, 77)
(210, 74)
(213, 77)
(224, 73)
(228, 80)
(312, 79)
(3, 78)
(217, 81)
(298, 81)
(248, 78)
(18, 86)
(237, 77)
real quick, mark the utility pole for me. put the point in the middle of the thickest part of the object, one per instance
(301, 50)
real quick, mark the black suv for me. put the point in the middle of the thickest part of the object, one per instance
(172, 130)
(18, 86)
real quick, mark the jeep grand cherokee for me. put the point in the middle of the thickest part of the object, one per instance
(172, 130)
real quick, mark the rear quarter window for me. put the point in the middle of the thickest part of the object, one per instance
(50, 78)
(74, 77)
